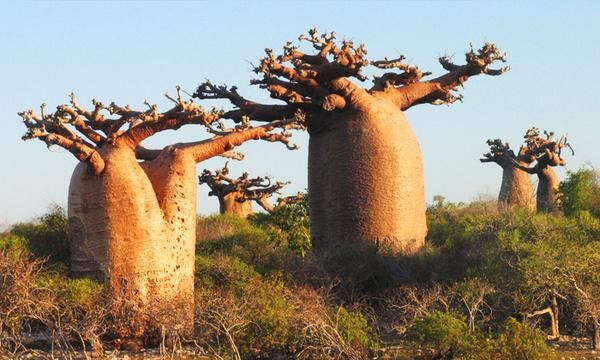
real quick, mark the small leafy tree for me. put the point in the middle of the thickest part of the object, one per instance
(289, 223)
(581, 192)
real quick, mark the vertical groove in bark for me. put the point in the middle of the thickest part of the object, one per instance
(139, 235)
(89, 253)
(516, 189)
(229, 205)
(548, 200)
(370, 189)
(173, 177)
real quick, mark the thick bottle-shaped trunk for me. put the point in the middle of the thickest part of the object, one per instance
(516, 189)
(365, 178)
(133, 226)
(548, 200)
(229, 205)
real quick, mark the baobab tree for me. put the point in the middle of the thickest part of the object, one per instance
(547, 154)
(516, 189)
(236, 195)
(365, 169)
(132, 210)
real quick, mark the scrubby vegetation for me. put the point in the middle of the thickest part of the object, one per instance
(491, 284)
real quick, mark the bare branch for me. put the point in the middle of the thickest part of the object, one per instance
(410, 73)
(255, 111)
(51, 130)
(499, 153)
(257, 189)
(440, 90)
(206, 149)
(544, 149)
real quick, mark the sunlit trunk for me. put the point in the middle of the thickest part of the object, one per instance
(516, 189)
(229, 205)
(134, 228)
(365, 178)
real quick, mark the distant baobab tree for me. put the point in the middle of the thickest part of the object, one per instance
(365, 168)
(236, 195)
(547, 154)
(132, 210)
(516, 190)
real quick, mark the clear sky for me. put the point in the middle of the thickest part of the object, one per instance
(130, 51)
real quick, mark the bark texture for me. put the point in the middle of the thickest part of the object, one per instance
(230, 205)
(132, 211)
(138, 231)
(516, 189)
(547, 194)
(370, 191)
(365, 165)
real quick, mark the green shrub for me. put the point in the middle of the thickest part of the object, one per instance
(354, 329)
(82, 293)
(440, 330)
(14, 245)
(215, 227)
(222, 270)
(519, 341)
(48, 237)
(251, 244)
(271, 328)
(288, 225)
(580, 191)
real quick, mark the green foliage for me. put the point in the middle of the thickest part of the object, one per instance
(271, 315)
(221, 270)
(250, 243)
(288, 225)
(14, 245)
(215, 227)
(354, 328)
(580, 191)
(82, 293)
(47, 237)
(235, 293)
(449, 334)
(519, 341)
(440, 330)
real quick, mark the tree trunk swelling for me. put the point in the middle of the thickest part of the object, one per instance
(134, 227)
(365, 175)
(516, 189)
(548, 200)
(229, 205)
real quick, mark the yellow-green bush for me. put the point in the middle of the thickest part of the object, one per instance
(354, 329)
(48, 236)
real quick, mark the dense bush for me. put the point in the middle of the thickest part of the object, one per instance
(248, 299)
(260, 292)
(288, 225)
(580, 191)
(48, 236)
(450, 337)
(354, 329)
(519, 341)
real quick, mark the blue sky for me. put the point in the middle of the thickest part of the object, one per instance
(130, 51)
